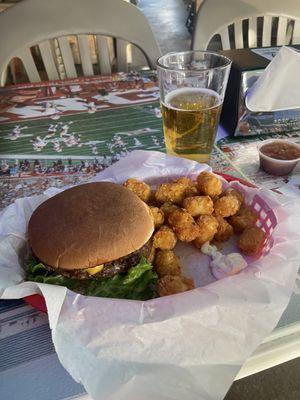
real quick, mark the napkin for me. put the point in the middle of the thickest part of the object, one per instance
(278, 87)
(188, 346)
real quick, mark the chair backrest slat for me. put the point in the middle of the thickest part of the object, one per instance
(29, 65)
(85, 55)
(12, 71)
(281, 31)
(48, 60)
(296, 33)
(215, 15)
(138, 58)
(46, 20)
(67, 56)
(238, 35)
(225, 38)
(252, 32)
(103, 54)
(267, 31)
(122, 55)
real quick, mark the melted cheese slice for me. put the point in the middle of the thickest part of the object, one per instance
(95, 270)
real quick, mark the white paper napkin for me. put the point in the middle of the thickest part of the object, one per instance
(278, 87)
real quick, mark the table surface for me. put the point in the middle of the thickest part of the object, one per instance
(58, 133)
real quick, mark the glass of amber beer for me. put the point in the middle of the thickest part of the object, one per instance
(192, 88)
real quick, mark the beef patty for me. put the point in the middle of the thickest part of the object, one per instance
(121, 265)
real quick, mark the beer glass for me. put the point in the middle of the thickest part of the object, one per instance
(192, 88)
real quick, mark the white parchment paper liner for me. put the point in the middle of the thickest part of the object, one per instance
(186, 346)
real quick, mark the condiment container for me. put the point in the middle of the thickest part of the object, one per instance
(276, 166)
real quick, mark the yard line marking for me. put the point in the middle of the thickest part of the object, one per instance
(83, 112)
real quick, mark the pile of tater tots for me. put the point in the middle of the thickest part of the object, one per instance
(195, 212)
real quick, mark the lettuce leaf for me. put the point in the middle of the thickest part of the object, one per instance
(37, 272)
(137, 284)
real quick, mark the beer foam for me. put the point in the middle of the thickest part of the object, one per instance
(187, 91)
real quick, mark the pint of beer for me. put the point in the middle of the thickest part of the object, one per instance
(192, 88)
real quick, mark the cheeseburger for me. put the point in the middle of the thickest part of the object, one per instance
(95, 239)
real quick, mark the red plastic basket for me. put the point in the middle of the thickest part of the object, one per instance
(37, 301)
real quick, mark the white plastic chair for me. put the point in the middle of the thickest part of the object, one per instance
(215, 17)
(49, 23)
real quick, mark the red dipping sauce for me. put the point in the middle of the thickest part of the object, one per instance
(281, 150)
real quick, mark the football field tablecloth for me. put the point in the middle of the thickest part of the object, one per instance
(75, 147)
(133, 126)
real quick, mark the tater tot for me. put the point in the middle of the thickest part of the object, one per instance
(183, 225)
(185, 181)
(168, 207)
(189, 282)
(170, 284)
(209, 184)
(235, 193)
(167, 263)
(180, 217)
(227, 206)
(172, 192)
(245, 218)
(191, 191)
(252, 241)
(208, 226)
(141, 189)
(190, 186)
(158, 216)
(187, 233)
(198, 205)
(225, 230)
(164, 238)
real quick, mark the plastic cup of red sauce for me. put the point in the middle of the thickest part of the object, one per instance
(278, 156)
